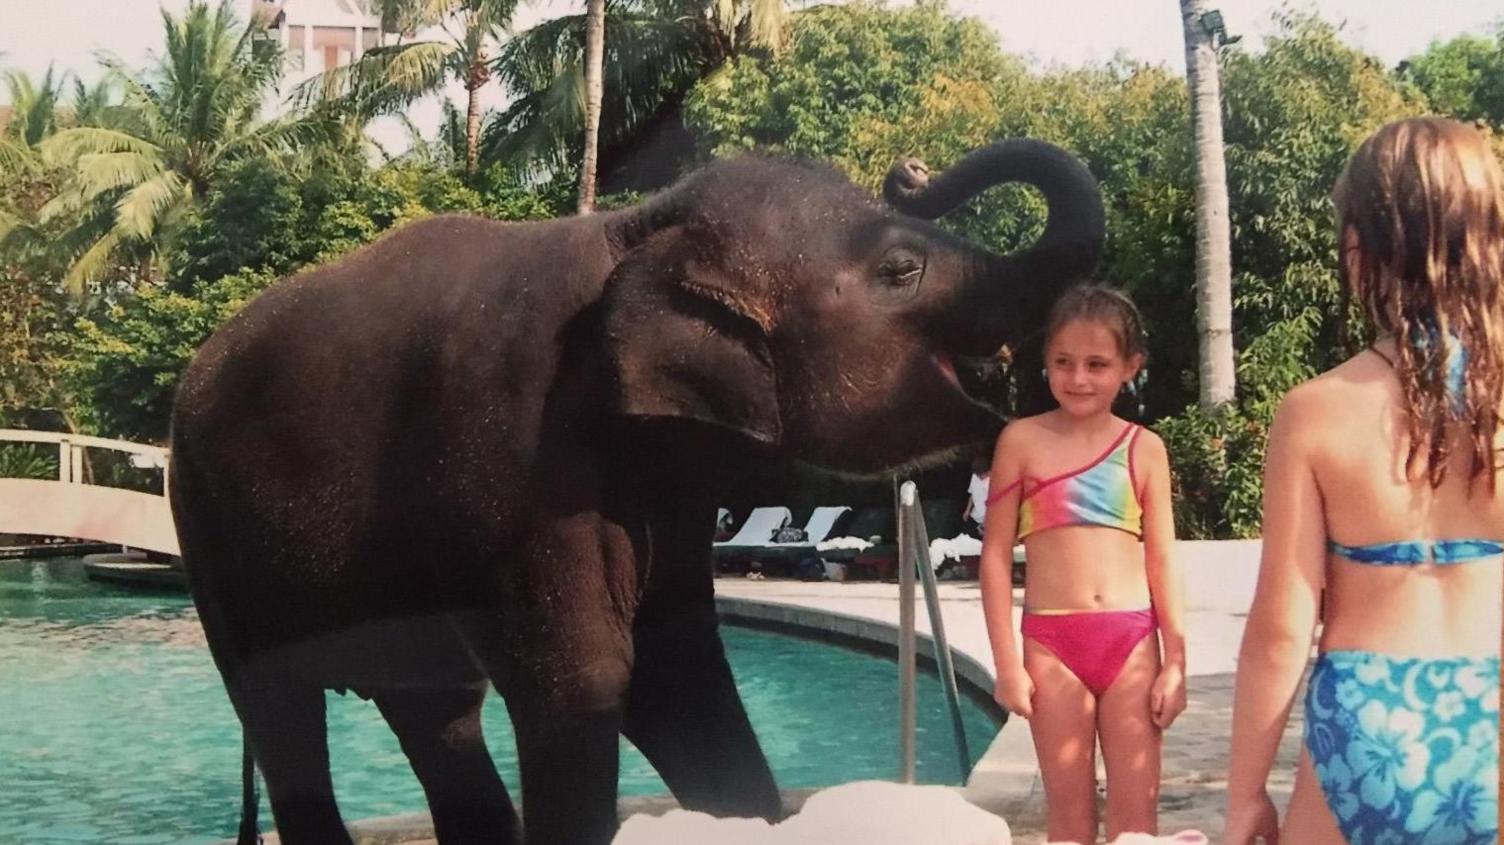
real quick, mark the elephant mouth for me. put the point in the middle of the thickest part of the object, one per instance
(982, 379)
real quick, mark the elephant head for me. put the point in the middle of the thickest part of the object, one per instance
(779, 300)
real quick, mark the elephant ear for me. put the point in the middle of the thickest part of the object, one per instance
(685, 340)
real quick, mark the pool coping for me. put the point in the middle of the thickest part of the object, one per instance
(1005, 780)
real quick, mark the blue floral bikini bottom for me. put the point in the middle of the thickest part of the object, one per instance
(1407, 749)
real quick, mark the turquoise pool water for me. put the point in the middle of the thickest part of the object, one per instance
(114, 727)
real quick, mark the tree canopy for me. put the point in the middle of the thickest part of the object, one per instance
(165, 205)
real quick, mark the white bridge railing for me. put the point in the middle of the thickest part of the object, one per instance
(73, 506)
(70, 452)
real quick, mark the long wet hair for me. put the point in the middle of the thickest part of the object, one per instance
(1100, 304)
(1422, 200)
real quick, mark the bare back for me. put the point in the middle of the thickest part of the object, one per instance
(1358, 462)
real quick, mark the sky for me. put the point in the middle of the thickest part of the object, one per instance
(34, 33)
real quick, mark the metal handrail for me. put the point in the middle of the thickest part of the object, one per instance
(914, 555)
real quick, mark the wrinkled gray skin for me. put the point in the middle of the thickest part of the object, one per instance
(478, 452)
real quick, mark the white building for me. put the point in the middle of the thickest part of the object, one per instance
(317, 35)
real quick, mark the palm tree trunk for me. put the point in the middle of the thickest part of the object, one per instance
(1213, 237)
(595, 40)
(474, 79)
(472, 131)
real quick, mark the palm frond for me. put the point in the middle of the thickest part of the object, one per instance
(92, 105)
(273, 138)
(91, 263)
(99, 173)
(137, 213)
(648, 61)
(142, 111)
(382, 80)
(9, 220)
(767, 23)
(34, 104)
(68, 146)
(16, 157)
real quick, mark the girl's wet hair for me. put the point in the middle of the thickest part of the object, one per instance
(1105, 305)
(1422, 200)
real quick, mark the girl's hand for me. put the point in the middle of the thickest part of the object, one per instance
(1251, 821)
(1167, 696)
(1015, 691)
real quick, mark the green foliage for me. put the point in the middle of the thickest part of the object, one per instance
(655, 52)
(254, 217)
(274, 220)
(857, 82)
(184, 121)
(1216, 466)
(1463, 77)
(126, 362)
(28, 460)
(506, 196)
(185, 204)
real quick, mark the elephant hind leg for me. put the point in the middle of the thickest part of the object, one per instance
(440, 732)
(285, 724)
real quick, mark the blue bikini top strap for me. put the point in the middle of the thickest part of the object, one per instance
(1419, 551)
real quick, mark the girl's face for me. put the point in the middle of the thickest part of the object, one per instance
(1085, 367)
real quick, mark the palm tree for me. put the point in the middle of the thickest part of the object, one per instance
(185, 119)
(657, 51)
(387, 79)
(595, 37)
(34, 116)
(1213, 236)
(34, 106)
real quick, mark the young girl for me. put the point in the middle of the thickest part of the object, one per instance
(1380, 491)
(1089, 496)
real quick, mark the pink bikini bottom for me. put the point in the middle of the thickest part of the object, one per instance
(1094, 645)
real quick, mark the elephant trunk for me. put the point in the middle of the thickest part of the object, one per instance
(1013, 292)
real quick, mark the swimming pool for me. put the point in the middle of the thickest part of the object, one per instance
(114, 727)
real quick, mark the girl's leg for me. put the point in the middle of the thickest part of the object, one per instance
(1131, 744)
(1308, 819)
(1064, 728)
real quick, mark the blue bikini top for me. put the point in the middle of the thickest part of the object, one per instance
(1412, 552)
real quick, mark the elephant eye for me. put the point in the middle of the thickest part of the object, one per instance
(901, 270)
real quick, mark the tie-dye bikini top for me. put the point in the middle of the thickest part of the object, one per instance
(1104, 492)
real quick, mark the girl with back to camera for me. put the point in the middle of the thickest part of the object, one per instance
(1089, 495)
(1380, 492)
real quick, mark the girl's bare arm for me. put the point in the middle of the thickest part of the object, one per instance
(1166, 585)
(996, 565)
(1281, 623)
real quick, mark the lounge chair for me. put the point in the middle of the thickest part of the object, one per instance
(822, 522)
(723, 525)
(785, 557)
(942, 518)
(756, 533)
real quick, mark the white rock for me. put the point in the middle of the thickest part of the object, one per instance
(862, 813)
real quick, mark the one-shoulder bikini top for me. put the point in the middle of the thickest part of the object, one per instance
(1104, 492)
(1414, 552)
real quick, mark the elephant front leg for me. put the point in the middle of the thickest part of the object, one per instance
(685, 715)
(561, 657)
(567, 749)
